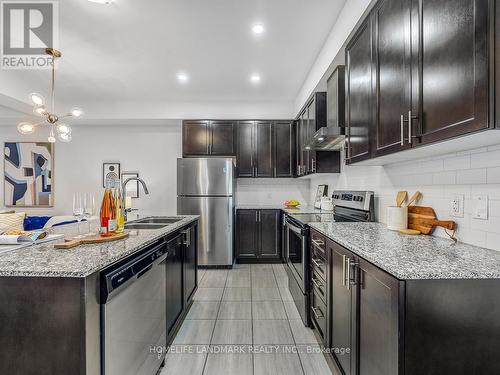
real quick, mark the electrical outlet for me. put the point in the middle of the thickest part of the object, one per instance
(480, 207)
(457, 206)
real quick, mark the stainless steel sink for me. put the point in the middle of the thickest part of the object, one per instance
(137, 225)
(159, 220)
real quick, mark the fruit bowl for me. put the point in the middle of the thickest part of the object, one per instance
(292, 203)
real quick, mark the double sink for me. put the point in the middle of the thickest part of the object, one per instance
(152, 223)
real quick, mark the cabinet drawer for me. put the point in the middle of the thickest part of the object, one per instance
(318, 242)
(318, 263)
(318, 284)
(318, 313)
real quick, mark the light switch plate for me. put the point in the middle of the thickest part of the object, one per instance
(457, 206)
(480, 207)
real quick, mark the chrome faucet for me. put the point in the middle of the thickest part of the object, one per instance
(124, 185)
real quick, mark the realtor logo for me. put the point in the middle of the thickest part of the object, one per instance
(27, 29)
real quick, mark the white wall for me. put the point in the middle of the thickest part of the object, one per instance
(151, 150)
(271, 191)
(469, 173)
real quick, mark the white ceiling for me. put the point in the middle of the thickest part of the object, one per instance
(121, 60)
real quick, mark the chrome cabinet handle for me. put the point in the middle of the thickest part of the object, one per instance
(316, 283)
(318, 316)
(318, 243)
(348, 274)
(402, 130)
(318, 264)
(275, 172)
(343, 269)
(187, 237)
(410, 140)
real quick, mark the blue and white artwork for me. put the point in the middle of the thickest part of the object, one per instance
(28, 170)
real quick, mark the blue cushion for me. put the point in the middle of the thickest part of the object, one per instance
(35, 222)
(65, 222)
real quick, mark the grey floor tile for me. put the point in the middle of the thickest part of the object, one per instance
(268, 310)
(214, 279)
(237, 332)
(291, 310)
(208, 294)
(266, 294)
(282, 282)
(203, 310)
(272, 332)
(184, 363)
(301, 333)
(237, 294)
(201, 273)
(285, 294)
(235, 310)
(238, 280)
(278, 363)
(313, 361)
(240, 266)
(195, 332)
(229, 363)
(264, 281)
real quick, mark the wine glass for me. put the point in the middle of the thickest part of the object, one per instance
(78, 208)
(89, 208)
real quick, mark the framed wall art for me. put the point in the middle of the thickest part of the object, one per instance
(29, 174)
(110, 172)
(132, 188)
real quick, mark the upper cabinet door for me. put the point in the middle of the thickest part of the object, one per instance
(359, 93)
(392, 64)
(264, 146)
(245, 146)
(335, 97)
(196, 138)
(222, 138)
(284, 150)
(452, 66)
(311, 129)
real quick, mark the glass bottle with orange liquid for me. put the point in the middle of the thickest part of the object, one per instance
(108, 211)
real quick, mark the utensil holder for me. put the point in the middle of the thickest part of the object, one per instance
(397, 218)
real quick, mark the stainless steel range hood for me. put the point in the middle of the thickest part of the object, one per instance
(328, 138)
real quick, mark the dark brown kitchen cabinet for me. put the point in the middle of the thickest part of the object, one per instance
(189, 261)
(208, 138)
(174, 282)
(264, 162)
(247, 234)
(196, 138)
(359, 93)
(452, 46)
(392, 68)
(284, 150)
(265, 149)
(245, 155)
(258, 236)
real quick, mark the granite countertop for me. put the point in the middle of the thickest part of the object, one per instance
(289, 210)
(413, 257)
(45, 261)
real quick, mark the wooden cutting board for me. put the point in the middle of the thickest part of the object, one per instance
(95, 239)
(424, 220)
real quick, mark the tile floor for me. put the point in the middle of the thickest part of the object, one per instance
(243, 321)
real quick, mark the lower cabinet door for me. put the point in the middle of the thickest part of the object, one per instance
(246, 234)
(174, 282)
(378, 323)
(319, 314)
(269, 234)
(343, 312)
(189, 263)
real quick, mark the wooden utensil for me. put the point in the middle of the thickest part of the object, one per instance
(410, 231)
(414, 198)
(424, 220)
(95, 239)
(401, 197)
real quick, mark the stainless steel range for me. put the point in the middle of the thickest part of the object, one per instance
(349, 206)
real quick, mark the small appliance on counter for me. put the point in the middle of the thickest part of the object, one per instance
(349, 206)
(326, 204)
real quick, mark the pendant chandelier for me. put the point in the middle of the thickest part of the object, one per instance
(50, 118)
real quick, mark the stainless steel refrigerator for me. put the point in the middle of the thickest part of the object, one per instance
(205, 187)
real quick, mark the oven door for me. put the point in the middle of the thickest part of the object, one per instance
(297, 253)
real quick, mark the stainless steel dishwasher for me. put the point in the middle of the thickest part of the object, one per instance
(133, 314)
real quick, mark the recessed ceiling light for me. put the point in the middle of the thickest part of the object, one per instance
(255, 78)
(182, 77)
(258, 29)
(102, 1)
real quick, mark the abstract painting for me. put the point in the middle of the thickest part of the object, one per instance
(28, 174)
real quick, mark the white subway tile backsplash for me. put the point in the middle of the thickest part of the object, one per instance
(444, 178)
(493, 175)
(458, 162)
(471, 176)
(494, 148)
(493, 241)
(486, 159)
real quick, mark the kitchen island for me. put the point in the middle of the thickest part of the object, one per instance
(52, 300)
(398, 304)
